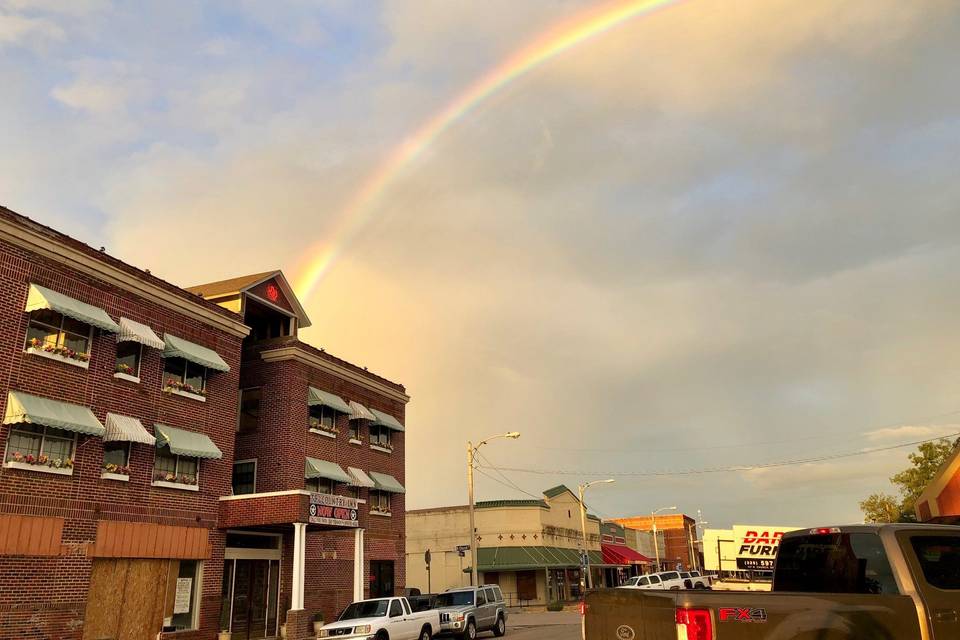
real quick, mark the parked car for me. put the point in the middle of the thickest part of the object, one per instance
(693, 580)
(467, 611)
(630, 583)
(383, 618)
(895, 581)
(663, 580)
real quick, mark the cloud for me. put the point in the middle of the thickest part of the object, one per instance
(16, 29)
(909, 433)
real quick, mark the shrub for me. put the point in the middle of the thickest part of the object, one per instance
(556, 605)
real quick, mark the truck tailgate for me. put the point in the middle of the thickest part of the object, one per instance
(633, 614)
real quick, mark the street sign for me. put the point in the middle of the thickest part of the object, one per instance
(426, 557)
(461, 553)
(463, 547)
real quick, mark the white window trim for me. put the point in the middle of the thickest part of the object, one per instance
(35, 467)
(235, 463)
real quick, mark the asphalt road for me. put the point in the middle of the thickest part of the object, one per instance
(543, 626)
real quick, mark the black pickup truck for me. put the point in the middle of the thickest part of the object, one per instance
(861, 582)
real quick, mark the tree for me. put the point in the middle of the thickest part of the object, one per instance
(929, 457)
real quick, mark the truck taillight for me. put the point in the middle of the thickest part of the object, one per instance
(694, 624)
(824, 531)
(583, 608)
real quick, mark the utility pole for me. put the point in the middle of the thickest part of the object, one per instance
(471, 451)
(656, 544)
(586, 580)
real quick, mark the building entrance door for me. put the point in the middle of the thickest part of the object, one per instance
(381, 578)
(251, 579)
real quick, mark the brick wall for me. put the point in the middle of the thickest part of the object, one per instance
(44, 598)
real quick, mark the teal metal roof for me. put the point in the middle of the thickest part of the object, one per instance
(532, 557)
(316, 396)
(186, 443)
(314, 468)
(175, 347)
(25, 408)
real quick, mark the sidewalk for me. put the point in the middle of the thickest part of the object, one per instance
(543, 619)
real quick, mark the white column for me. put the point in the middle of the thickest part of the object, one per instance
(299, 558)
(358, 572)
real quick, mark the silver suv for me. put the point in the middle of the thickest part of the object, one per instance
(469, 610)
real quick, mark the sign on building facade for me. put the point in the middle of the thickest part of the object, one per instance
(757, 546)
(337, 511)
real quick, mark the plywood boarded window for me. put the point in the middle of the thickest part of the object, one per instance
(132, 599)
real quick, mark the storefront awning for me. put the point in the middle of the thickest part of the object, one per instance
(175, 347)
(360, 412)
(316, 396)
(386, 420)
(186, 443)
(22, 407)
(126, 429)
(385, 482)
(43, 298)
(620, 554)
(314, 468)
(360, 479)
(131, 331)
(532, 557)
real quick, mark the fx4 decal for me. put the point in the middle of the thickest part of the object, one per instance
(742, 614)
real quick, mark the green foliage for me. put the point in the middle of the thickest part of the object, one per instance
(910, 483)
(555, 606)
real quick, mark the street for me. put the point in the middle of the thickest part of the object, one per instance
(561, 625)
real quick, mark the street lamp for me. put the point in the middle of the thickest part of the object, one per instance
(583, 529)
(656, 545)
(471, 450)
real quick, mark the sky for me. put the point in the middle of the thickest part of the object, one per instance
(725, 233)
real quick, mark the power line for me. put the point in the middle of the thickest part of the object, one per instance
(507, 480)
(747, 467)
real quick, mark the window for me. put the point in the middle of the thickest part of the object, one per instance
(320, 485)
(322, 417)
(173, 468)
(116, 457)
(481, 598)
(379, 501)
(939, 558)
(354, 429)
(184, 375)
(249, 410)
(128, 358)
(644, 581)
(39, 445)
(244, 477)
(655, 580)
(834, 563)
(183, 600)
(380, 436)
(57, 333)
(491, 596)
(395, 609)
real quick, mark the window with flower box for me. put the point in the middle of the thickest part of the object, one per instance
(381, 436)
(355, 430)
(182, 375)
(35, 444)
(116, 457)
(169, 467)
(323, 418)
(320, 485)
(379, 501)
(128, 358)
(54, 333)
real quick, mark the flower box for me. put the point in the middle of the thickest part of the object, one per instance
(40, 463)
(186, 394)
(356, 441)
(123, 376)
(116, 469)
(173, 481)
(382, 447)
(175, 485)
(383, 514)
(106, 475)
(183, 389)
(323, 432)
(63, 471)
(83, 364)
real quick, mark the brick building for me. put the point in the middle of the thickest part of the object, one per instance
(678, 533)
(175, 465)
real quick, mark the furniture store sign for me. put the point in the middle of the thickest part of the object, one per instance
(337, 511)
(757, 546)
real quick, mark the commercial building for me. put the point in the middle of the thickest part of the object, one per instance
(744, 552)
(176, 462)
(531, 548)
(940, 500)
(622, 558)
(678, 531)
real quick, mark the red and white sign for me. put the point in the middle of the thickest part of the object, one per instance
(757, 545)
(337, 511)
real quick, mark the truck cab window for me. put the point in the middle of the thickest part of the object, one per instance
(834, 563)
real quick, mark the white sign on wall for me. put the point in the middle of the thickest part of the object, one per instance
(181, 603)
(757, 545)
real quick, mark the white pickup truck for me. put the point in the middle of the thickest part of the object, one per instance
(383, 619)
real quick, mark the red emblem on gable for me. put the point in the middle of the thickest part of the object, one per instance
(272, 292)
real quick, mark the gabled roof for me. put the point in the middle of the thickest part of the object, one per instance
(242, 284)
(553, 492)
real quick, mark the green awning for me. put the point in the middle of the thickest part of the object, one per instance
(385, 482)
(316, 396)
(175, 347)
(22, 407)
(314, 468)
(532, 557)
(43, 298)
(387, 420)
(186, 443)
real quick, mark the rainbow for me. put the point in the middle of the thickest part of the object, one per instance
(551, 43)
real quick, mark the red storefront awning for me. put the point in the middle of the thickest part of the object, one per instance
(622, 554)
